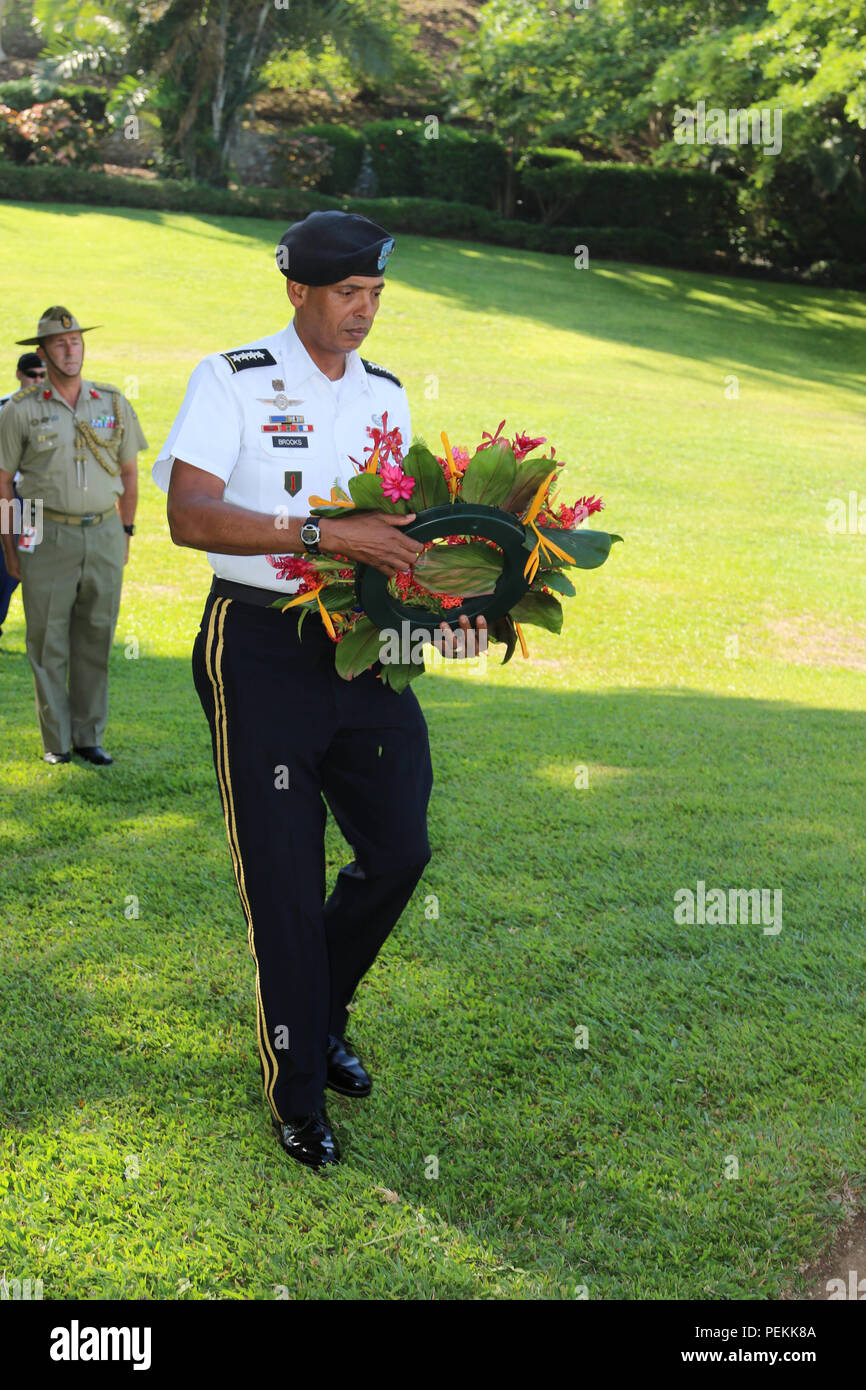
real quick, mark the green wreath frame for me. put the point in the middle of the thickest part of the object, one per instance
(458, 519)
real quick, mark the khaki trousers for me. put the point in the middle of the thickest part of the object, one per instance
(70, 585)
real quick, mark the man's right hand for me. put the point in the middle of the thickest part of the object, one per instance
(371, 538)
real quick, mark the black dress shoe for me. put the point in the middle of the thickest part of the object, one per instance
(57, 757)
(345, 1073)
(309, 1139)
(95, 755)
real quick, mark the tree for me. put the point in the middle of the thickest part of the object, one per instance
(198, 62)
(206, 58)
(511, 76)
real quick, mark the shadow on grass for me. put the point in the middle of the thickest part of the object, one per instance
(681, 786)
(555, 907)
(769, 328)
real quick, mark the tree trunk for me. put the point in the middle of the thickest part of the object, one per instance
(241, 87)
(509, 193)
(219, 96)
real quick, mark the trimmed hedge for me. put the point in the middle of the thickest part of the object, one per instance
(559, 186)
(418, 216)
(87, 102)
(348, 147)
(17, 94)
(55, 184)
(413, 159)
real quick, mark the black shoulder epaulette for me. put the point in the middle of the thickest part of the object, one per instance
(24, 392)
(375, 370)
(241, 358)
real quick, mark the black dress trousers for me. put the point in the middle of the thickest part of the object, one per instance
(287, 731)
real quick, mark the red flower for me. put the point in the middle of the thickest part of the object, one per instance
(585, 506)
(461, 462)
(492, 438)
(523, 444)
(388, 442)
(396, 485)
(569, 517)
(295, 567)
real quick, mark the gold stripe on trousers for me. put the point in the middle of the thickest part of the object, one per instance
(213, 665)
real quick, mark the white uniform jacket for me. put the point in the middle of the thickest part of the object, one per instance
(265, 420)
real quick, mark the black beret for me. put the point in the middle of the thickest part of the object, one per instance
(326, 247)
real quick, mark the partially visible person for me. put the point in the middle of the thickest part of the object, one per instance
(75, 444)
(30, 368)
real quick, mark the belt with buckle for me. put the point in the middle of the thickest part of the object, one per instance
(247, 593)
(73, 519)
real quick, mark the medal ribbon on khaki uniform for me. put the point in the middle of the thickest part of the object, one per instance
(85, 435)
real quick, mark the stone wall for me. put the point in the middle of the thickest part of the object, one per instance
(252, 158)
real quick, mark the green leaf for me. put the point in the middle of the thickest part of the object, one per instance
(331, 511)
(431, 489)
(334, 509)
(531, 473)
(554, 579)
(324, 566)
(338, 598)
(358, 650)
(366, 490)
(543, 610)
(588, 549)
(489, 476)
(398, 674)
(460, 570)
(503, 630)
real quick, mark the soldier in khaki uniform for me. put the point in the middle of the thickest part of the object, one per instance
(75, 444)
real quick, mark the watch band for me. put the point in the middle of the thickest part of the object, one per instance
(311, 546)
(130, 530)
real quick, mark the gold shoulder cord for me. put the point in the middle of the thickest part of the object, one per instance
(86, 435)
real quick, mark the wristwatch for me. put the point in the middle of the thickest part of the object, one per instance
(311, 534)
(130, 530)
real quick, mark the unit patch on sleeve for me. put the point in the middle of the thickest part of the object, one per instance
(242, 358)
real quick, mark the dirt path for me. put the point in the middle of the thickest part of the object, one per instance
(845, 1261)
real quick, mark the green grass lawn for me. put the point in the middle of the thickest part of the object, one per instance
(710, 681)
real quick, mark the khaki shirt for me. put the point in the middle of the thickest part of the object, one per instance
(38, 440)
